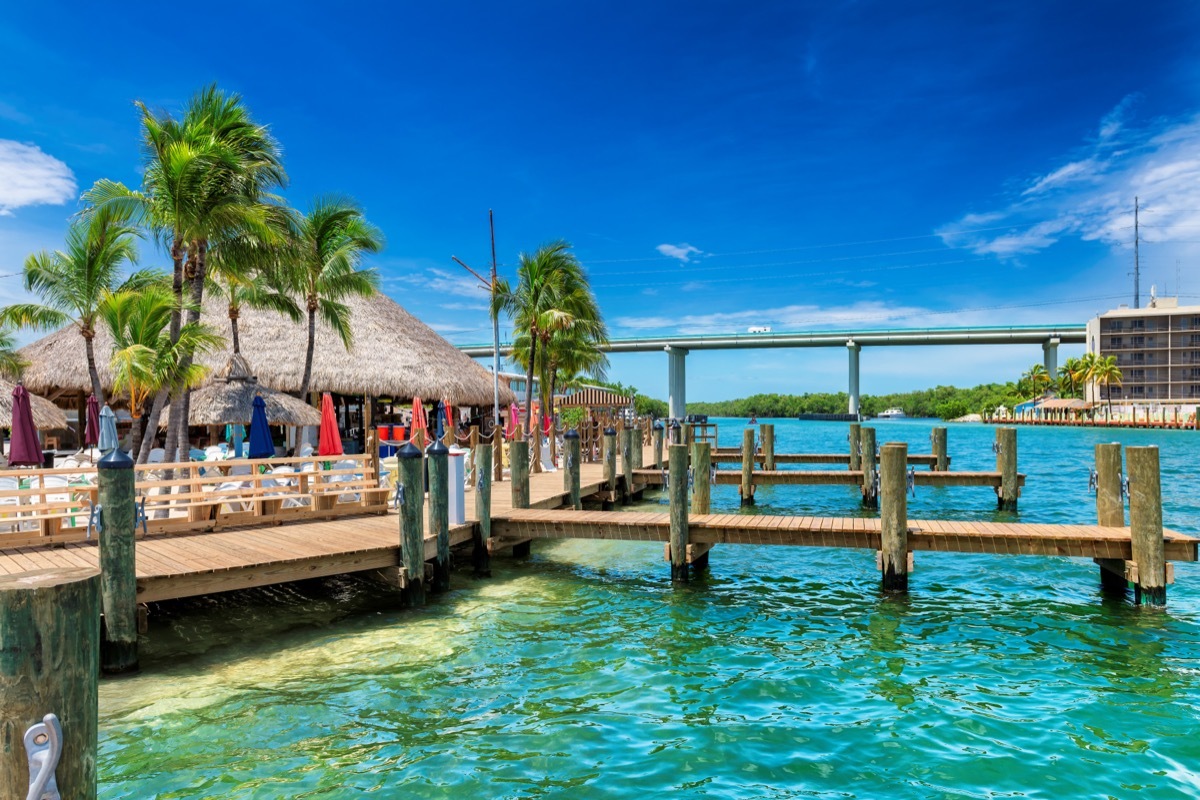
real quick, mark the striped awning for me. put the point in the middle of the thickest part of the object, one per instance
(594, 398)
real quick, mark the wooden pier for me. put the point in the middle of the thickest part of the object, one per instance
(728, 456)
(834, 477)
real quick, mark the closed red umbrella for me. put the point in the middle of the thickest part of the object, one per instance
(331, 440)
(91, 432)
(24, 449)
(419, 421)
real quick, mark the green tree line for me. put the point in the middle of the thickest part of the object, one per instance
(947, 402)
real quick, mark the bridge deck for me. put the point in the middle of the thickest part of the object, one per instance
(1087, 541)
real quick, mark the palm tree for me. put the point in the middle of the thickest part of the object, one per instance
(1069, 382)
(145, 357)
(327, 249)
(1037, 379)
(1106, 373)
(249, 272)
(11, 364)
(73, 282)
(552, 294)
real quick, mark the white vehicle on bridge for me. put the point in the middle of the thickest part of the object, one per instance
(759, 329)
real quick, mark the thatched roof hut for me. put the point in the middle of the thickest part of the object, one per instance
(393, 354)
(228, 398)
(46, 415)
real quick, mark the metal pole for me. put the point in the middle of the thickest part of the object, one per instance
(495, 330)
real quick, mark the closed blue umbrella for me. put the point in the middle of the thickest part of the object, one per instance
(261, 445)
(439, 416)
(108, 430)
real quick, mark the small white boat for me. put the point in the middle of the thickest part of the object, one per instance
(892, 413)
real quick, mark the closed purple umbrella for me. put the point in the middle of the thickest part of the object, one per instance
(91, 433)
(24, 449)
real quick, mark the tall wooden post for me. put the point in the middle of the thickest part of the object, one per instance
(768, 445)
(689, 435)
(893, 514)
(1146, 526)
(50, 664)
(439, 513)
(410, 464)
(1110, 511)
(519, 453)
(870, 492)
(1006, 465)
(474, 445)
(610, 459)
(939, 450)
(118, 563)
(498, 454)
(701, 489)
(480, 558)
(678, 493)
(855, 446)
(658, 444)
(638, 442)
(571, 471)
(627, 461)
(747, 487)
(676, 432)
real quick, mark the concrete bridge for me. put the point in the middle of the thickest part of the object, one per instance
(677, 347)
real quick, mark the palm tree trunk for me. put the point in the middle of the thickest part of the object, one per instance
(92, 371)
(171, 445)
(529, 381)
(308, 357)
(136, 432)
(549, 404)
(233, 327)
(156, 409)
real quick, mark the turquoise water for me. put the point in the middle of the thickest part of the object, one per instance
(581, 672)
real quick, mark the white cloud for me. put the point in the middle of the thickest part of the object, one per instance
(1090, 194)
(29, 177)
(683, 252)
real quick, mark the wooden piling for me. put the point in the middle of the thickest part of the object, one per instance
(498, 454)
(50, 664)
(658, 444)
(1110, 511)
(855, 446)
(689, 436)
(412, 523)
(610, 460)
(893, 513)
(1145, 525)
(639, 444)
(939, 450)
(701, 488)
(571, 471)
(679, 512)
(519, 472)
(627, 461)
(870, 491)
(480, 558)
(118, 567)
(768, 445)
(1006, 465)
(747, 488)
(439, 513)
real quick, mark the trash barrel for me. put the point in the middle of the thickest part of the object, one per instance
(457, 510)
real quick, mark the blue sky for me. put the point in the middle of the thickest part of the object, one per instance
(716, 165)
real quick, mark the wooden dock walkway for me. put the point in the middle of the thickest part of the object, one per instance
(726, 456)
(835, 477)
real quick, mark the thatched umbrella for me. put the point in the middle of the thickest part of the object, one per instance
(228, 399)
(394, 354)
(46, 415)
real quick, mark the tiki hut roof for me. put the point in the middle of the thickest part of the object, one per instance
(229, 399)
(393, 354)
(46, 415)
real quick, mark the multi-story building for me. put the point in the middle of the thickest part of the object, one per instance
(1157, 349)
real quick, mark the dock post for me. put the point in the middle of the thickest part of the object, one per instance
(676, 432)
(768, 445)
(701, 489)
(610, 461)
(855, 446)
(639, 447)
(1146, 526)
(938, 440)
(1110, 512)
(658, 444)
(627, 461)
(689, 436)
(480, 557)
(50, 627)
(893, 516)
(1006, 465)
(519, 453)
(571, 462)
(412, 522)
(679, 512)
(498, 454)
(870, 488)
(118, 556)
(747, 487)
(439, 512)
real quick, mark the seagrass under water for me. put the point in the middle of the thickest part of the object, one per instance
(581, 672)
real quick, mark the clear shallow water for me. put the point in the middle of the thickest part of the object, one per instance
(581, 672)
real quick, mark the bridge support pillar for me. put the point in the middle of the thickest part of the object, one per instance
(1050, 357)
(852, 348)
(677, 381)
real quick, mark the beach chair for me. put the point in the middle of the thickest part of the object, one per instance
(157, 456)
